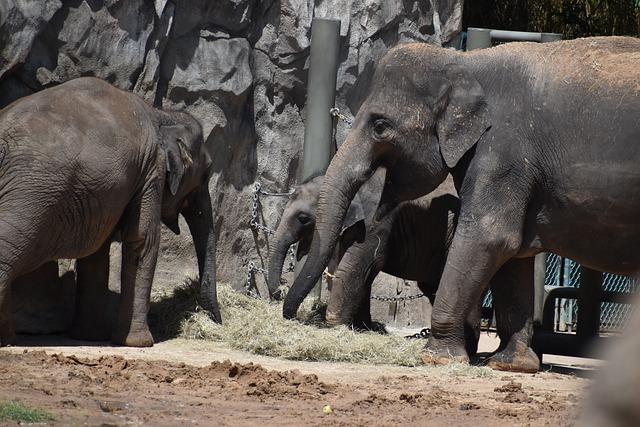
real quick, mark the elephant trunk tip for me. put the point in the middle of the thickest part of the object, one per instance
(289, 311)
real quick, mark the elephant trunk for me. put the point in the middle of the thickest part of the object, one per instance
(283, 239)
(199, 217)
(343, 179)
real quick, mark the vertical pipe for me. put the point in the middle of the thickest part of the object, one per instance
(478, 38)
(540, 268)
(321, 97)
(589, 304)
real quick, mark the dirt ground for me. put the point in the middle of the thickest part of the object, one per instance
(181, 382)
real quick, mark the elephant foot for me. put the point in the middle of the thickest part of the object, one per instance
(140, 337)
(437, 352)
(90, 331)
(516, 357)
(7, 337)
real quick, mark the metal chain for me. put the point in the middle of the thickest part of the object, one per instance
(256, 201)
(292, 258)
(335, 112)
(252, 267)
(397, 299)
(423, 334)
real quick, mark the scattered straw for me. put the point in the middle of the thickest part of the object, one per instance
(257, 326)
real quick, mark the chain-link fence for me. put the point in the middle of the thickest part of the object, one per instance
(565, 272)
(613, 316)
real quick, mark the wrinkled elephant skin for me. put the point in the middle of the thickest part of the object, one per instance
(83, 160)
(543, 148)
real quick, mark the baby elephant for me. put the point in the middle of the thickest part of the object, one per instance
(411, 244)
(81, 161)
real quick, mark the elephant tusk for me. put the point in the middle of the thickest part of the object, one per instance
(329, 275)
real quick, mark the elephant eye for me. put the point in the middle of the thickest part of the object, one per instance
(304, 219)
(381, 128)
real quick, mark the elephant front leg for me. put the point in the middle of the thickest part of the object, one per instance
(91, 320)
(139, 254)
(475, 255)
(349, 302)
(513, 294)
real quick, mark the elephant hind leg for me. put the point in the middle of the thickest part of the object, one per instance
(92, 320)
(512, 289)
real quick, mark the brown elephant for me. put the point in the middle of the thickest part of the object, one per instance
(82, 161)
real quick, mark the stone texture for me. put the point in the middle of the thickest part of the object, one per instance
(239, 66)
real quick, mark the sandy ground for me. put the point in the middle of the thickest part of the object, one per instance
(180, 382)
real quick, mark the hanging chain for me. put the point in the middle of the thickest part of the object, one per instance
(256, 201)
(335, 112)
(255, 224)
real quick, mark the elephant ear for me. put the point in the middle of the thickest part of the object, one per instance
(304, 245)
(353, 227)
(177, 155)
(355, 213)
(464, 115)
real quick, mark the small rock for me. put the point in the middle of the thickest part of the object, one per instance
(468, 406)
(112, 406)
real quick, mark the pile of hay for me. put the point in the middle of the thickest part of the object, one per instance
(257, 326)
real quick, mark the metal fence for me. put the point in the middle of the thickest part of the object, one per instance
(613, 316)
(565, 272)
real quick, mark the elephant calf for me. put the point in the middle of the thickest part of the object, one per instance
(411, 243)
(82, 160)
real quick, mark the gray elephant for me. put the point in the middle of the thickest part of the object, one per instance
(542, 142)
(411, 242)
(82, 161)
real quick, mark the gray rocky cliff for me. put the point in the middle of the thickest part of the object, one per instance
(239, 66)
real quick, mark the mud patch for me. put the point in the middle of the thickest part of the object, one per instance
(115, 390)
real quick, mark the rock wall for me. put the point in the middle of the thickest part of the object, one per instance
(239, 66)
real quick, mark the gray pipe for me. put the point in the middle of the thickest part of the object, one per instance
(321, 97)
(480, 38)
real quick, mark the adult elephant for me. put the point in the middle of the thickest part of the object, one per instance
(81, 161)
(543, 143)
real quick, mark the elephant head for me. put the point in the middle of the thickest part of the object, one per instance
(186, 192)
(425, 110)
(296, 226)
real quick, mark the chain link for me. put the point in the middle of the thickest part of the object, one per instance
(252, 267)
(397, 299)
(423, 334)
(335, 112)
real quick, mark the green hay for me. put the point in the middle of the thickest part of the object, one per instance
(257, 326)
(17, 412)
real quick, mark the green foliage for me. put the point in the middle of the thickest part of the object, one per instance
(572, 18)
(17, 412)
